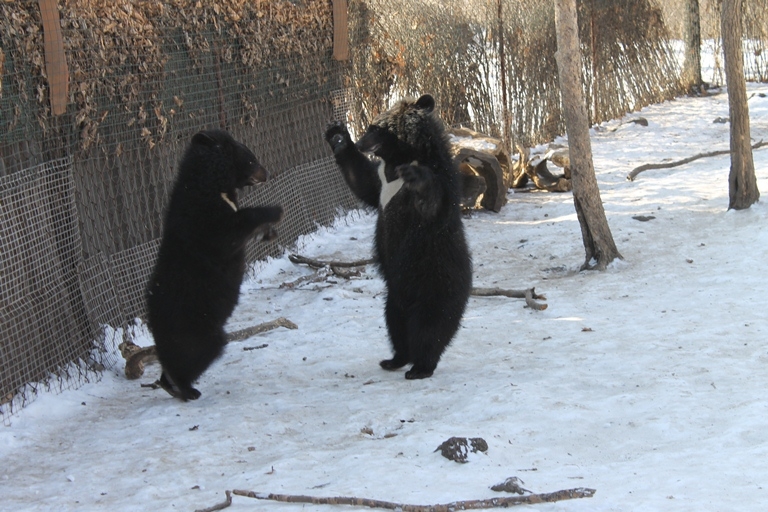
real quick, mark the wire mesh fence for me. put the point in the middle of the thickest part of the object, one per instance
(85, 171)
(82, 193)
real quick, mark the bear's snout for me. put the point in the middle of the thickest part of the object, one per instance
(259, 175)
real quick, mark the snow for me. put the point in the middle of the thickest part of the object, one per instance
(645, 382)
(469, 142)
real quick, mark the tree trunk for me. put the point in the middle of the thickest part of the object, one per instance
(596, 235)
(742, 183)
(691, 74)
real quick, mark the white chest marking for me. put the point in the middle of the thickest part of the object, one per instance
(228, 201)
(388, 190)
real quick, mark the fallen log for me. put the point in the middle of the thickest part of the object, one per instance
(136, 358)
(487, 166)
(534, 169)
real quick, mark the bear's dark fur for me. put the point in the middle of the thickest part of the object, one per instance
(200, 265)
(420, 245)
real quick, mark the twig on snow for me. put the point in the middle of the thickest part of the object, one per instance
(319, 276)
(246, 333)
(221, 506)
(529, 295)
(645, 167)
(137, 357)
(299, 259)
(510, 501)
(343, 269)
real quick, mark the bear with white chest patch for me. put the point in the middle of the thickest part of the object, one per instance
(420, 246)
(200, 265)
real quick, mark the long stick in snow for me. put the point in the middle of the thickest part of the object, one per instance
(220, 506)
(299, 259)
(511, 501)
(529, 295)
(645, 167)
(137, 357)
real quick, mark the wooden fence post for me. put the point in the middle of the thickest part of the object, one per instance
(340, 30)
(55, 59)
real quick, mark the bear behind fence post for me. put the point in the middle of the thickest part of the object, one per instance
(419, 245)
(200, 265)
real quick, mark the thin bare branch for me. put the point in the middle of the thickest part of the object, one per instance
(246, 333)
(666, 165)
(137, 357)
(297, 258)
(221, 506)
(504, 502)
(529, 295)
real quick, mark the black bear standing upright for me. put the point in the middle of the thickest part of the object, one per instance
(420, 245)
(200, 265)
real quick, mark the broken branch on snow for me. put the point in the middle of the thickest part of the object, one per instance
(297, 258)
(343, 269)
(221, 506)
(645, 167)
(566, 494)
(529, 295)
(246, 333)
(137, 357)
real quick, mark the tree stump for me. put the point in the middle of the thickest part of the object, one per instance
(479, 155)
(487, 167)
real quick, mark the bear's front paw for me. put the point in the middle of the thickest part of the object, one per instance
(268, 233)
(337, 136)
(260, 219)
(414, 176)
(272, 214)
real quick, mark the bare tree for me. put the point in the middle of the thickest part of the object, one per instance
(742, 183)
(691, 73)
(596, 235)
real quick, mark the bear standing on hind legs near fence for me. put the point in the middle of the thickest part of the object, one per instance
(196, 281)
(419, 245)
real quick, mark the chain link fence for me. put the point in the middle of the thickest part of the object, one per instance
(84, 182)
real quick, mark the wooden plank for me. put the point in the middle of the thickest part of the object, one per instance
(340, 30)
(55, 58)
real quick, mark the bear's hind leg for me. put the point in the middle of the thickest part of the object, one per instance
(188, 361)
(426, 357)
(395, 363)
(398, 336)
(428, 340)
(184, 393)
(426, 350)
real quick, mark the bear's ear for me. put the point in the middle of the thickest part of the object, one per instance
(204, 139)
(426, 102)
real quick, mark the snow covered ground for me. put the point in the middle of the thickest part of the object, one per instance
(646, 382)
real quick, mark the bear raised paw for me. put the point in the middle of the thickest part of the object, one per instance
(196, 281)
(402, 167)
